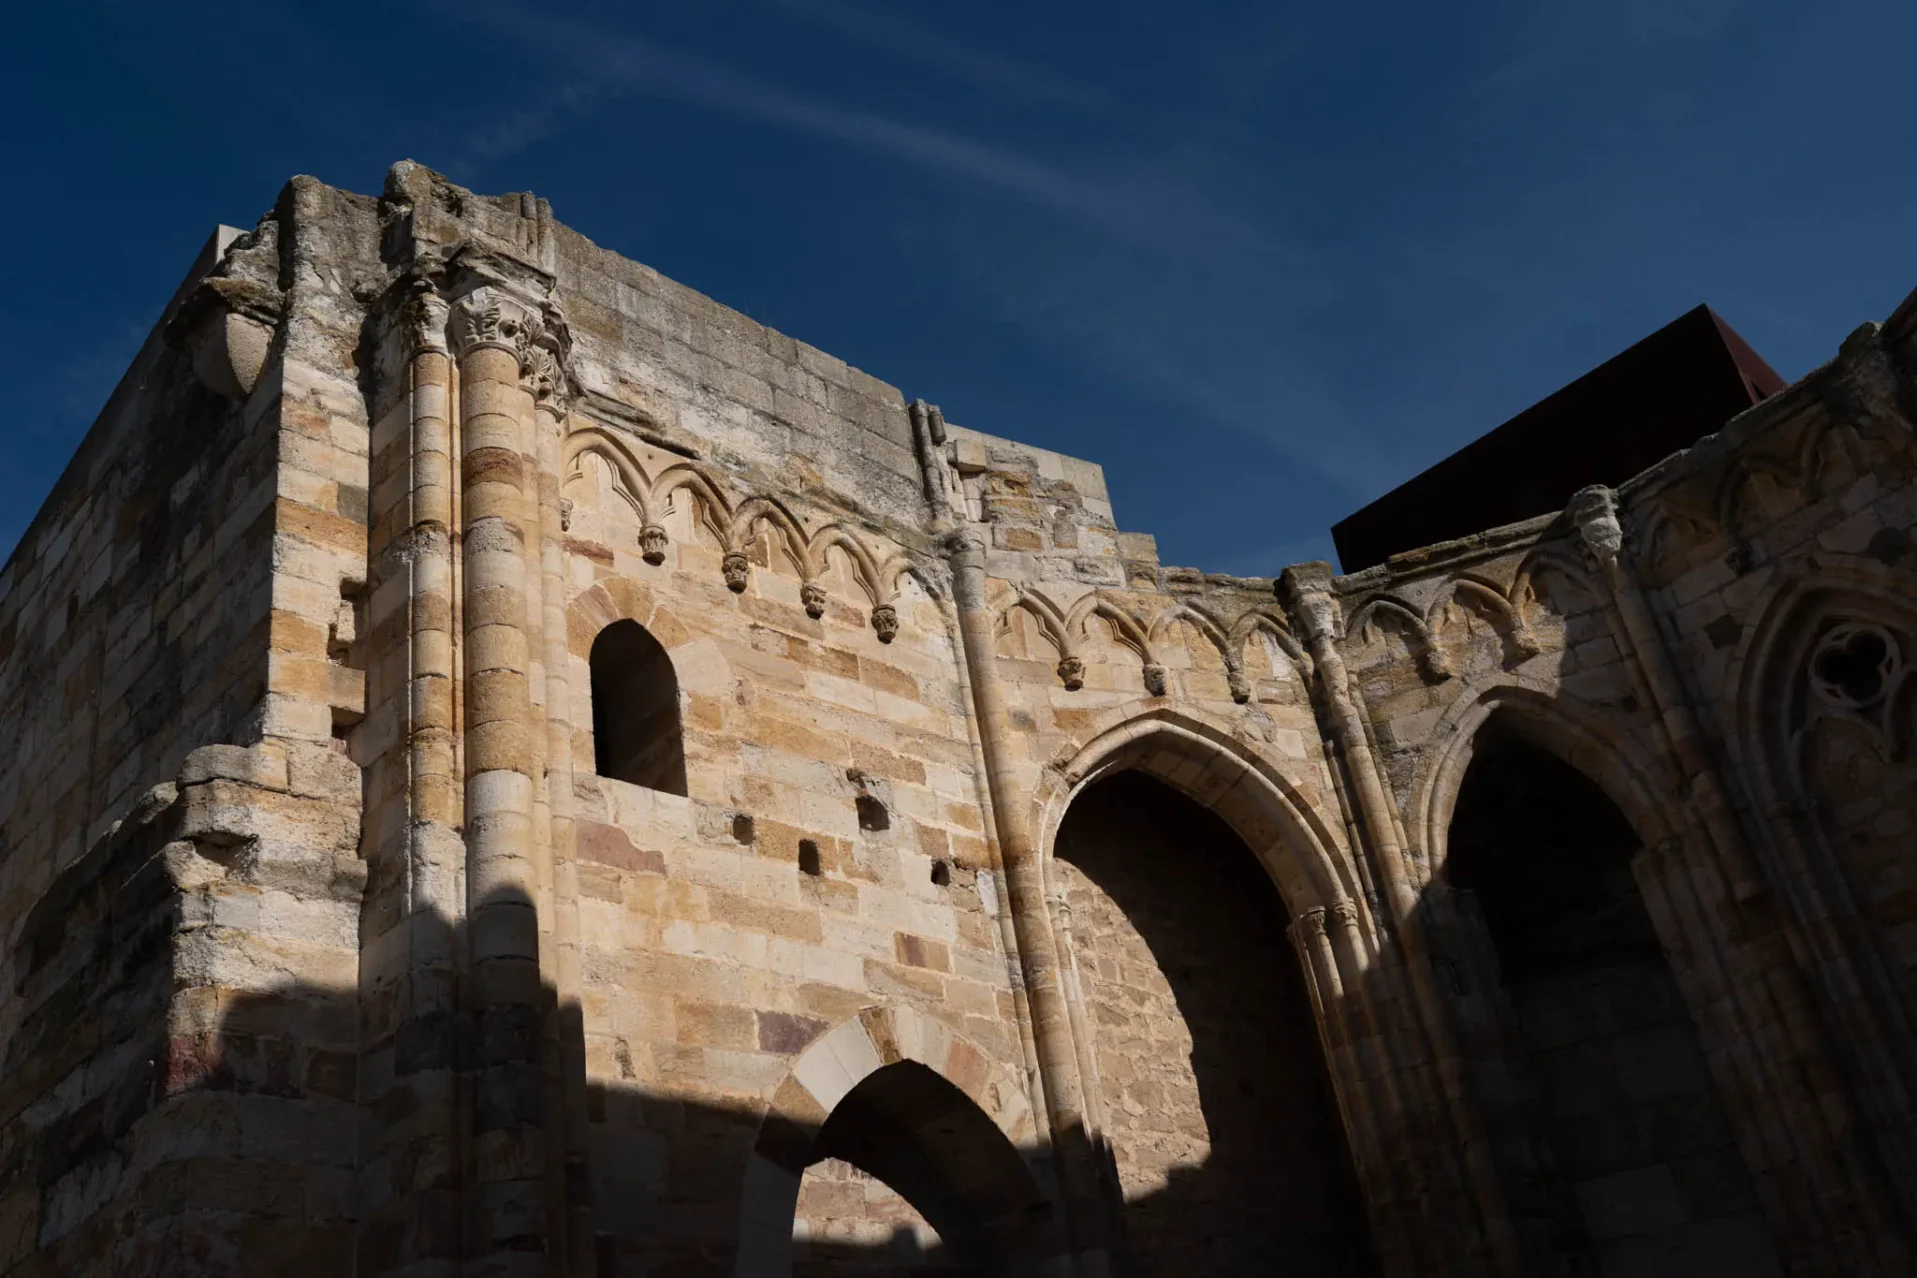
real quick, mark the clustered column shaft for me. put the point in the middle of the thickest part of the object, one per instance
(1025, 890)
(1310, 593)
(492, 332)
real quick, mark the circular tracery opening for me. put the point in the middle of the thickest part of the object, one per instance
(1853, 665)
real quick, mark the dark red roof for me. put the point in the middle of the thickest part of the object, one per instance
(1655, 398)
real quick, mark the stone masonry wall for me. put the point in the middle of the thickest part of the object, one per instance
(299, 817)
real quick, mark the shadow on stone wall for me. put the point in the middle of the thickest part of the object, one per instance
(1211, 1068)
(155, 1120)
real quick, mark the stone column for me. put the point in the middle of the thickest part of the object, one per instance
(492, 333)
(1025, 892)
(1393, 1212)
(410, 963)
(550, 398)
(1753, 991)
(1308, 587)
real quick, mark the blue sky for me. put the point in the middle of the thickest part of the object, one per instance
(1263, 261)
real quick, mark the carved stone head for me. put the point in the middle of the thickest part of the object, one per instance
(652, 544)
(812, 595)
(737, 569)
(885, 622)
(1072, 671)
(1594, 511)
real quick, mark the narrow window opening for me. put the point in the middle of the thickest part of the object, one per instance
(941, 874)
(635, 710)
(742, 828)
(872, 814)
(809, 858)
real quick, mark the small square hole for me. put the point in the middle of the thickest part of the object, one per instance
(872, 814)
(941, 874)
(809, 858)
(742, 828)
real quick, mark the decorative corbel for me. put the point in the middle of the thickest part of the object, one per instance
(226, 327)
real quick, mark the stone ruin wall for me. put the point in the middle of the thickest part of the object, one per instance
(240, 655)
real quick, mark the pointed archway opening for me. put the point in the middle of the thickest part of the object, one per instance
(1637, 1133)
(1213, 1094)
(908, 1176)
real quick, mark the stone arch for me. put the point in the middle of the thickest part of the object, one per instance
(755, 511)
(629, 477)
(1272, 622)
(1050, 623)
(833, 1068)
(1173, 857)
(1835, 780)
(1125, 627)
(864, 569)
(1739, 504)
(1379, 611)
(1809, 594)
(1195, 754)
(1832, 453)
(1547, 718)
(1528, 593)
(714, 511)
(1490, 603)
(1570, 970)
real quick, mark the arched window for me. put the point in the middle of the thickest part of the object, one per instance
(635, 710)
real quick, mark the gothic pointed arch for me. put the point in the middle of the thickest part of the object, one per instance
(630, 481)
(1283, 826)
(1385, 611)
(1164, 915)
(1824, 687)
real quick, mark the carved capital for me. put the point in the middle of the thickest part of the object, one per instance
(1345, 913)
(965, 542)
(1307, 588)
(423, 317)
(490, 318)
(1594, 511)
(1309, 925)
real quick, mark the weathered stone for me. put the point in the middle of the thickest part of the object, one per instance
(404, 983)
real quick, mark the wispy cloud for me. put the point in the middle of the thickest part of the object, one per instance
(885, 29)
(1142, 275)
(1134, 208)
